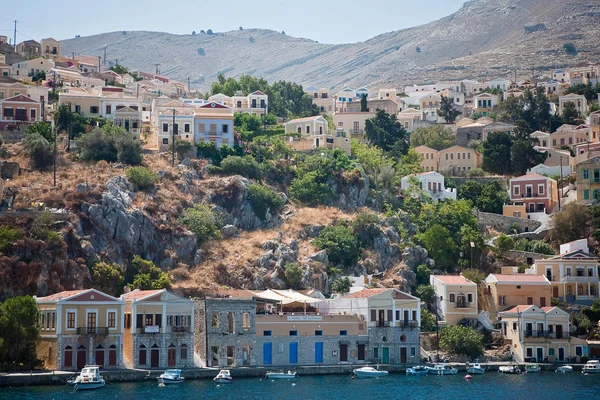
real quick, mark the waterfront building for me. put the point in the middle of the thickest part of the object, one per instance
(508, 290)
(455, 298)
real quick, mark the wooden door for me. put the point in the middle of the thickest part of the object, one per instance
(361, 352)
(81, 358)
(154, 357)
(343, 352)
(403, 355)
(100, 357)
(112, 357)
(171, 354)
(385, 355)
(381, 318)
(555, 291)
(559, 331)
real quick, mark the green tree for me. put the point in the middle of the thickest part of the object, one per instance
(427, 321)
(504, 243)
(571, 223)
(310, 189)
(427, 295)
(147, 276)
(235, 165)
(341, 285)
(474, 275)
(462, 340)
(263, 199)
(492, 198)
(423, 273)
(38, 149)
(570, 113)
(570, 49)
(366, 227)
(437, 137)
(386, 132)
(293, 275)
(119, 69)
(340, 243)
(363, 103)
(447, 110)
(43, 128)
(142, 177)
(496, 153)
(18, 332)
(202, 222)
(523, 156)
(108, 278)
(442, 249)
(182, 148)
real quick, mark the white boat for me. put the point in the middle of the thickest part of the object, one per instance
(529, 368)
(476, 369)
(281, 375)
(224, 376)
(564, 369)
(510, 369)
(418, 370)
(369, 372)
(170, 376)
(442, 369)
(591, 367)
(89, 378)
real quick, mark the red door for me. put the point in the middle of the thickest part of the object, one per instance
(81, 356)
(154, 358)
(171, 357)
(403, 355)
(68, 358)
(112, 356)
(100, 358)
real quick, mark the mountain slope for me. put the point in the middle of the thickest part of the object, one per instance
(485, 37)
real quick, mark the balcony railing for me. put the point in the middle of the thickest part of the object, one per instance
(546, 335)
(584, 279)
(462, 304)
(412, 324)
(531, 195)
(92, 331)
(180, 329)
(356, 131)
(149, 329)
(383, 324)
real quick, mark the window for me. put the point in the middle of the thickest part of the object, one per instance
(518, 286)
(186, 128)
(452, 298)
(32, 113)
(514, 326)
(149, 319)
(183, 352)
(551, 351)
(112, 319)
(530, 301)
(344, 333)
(246, 320)
(53, 316)
(230, 322)
(413, 352)
(541, 189)
(373, 315)
(318, 333)
(266, 333)
(109, 109)
(215, 320)
(165, 127)
(502, 300)
(470, 297)
(128, 321)
(397, 315)
(225, 128)
(516, 190)
(165, 141)
(293, 333)
(8, 112)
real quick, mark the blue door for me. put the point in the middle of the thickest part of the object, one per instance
(318, 352)
(267, 350)
(293, 352)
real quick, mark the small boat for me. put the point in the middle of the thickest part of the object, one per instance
(418, 370)
(281, 375)
(170, 376)
(591, 367)
(564, 369)
(442, 369)
(89, 378)
(510, 369)
(224, 376)
(529, 368)
(475, 369)
(369, 372)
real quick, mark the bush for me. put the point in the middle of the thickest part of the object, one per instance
(39, 150)
(366, 227)
(8, 236)
(147, 276)
(570, 48)
(462, 340)
(340, 243)
(245, 166)
(43, 128)
(423, 274)
(262, 199)
(109, 143)
(182, 148)
(475, 172)
(108, 278)
(504, 243)
(474, 275)
(129, 150)
(427, 321)
(293, 275)
(309, 190)
(341, 285)
(202, 222)
(142, 177)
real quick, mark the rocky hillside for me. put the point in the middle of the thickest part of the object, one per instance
(483, 38)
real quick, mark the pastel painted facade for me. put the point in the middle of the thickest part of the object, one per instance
(50, 48)
(538, 193)
(158, 329)
(80, 327)
(430, 158)
(352, 123)
(429, 105)
(507, 290)
(511, 210)
(388, 94)
(458, 160)
(561, 75)
(214, 123)
(541, 334)
(113, 99)
(26, 69)
(20, 108)
(594, 121)
(321, 98)
(432, 183)
(307, 126)
(588, 180)
(29, 49)
(255, 103)
(162, 121)
(455, 298)
(81, 101)
(485, 103)
(343, 98)
(408, 117)
(499, 83)
(578, 100)
(10, 87)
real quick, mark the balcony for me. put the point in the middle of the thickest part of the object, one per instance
(580, 279)
(180, 329)
(532, 195)
(546, 335)
(92, 331)
(462, 304)
(383, 324)
(149, 329)
(356, 131)
(408, 324)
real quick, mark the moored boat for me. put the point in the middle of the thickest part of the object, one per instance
(475, 368)
(529, 368)
(89, 378)
(419, 370)
(369, 372)
(281, 375)
(170, 376)
(564, 369)
(224, 376)
(442, 369)
(510, 369)
(591, 367)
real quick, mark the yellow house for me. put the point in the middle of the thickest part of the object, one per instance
(408, 117)
(80, 327)
(458, 160)
(512, 290)
(456, 298)
(541, 334)
(430, 158)
(517, 211)
(159, 329)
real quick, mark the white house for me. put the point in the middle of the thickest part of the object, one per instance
(28, 68)
(499, 83)
(431, 183)
(307, 126)
(455, 298)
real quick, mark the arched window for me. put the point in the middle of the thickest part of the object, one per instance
(142, 355)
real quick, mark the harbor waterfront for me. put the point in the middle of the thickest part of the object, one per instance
(492, 385)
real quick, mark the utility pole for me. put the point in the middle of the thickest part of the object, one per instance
(189, 85)
(156, 66)
(104, 59)
(560, 181)
(43, 117)
(15, 36)
(70, 125)
(99, 63)
(173, 144)
(55, 140)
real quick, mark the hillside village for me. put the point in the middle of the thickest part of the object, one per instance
(159, 227)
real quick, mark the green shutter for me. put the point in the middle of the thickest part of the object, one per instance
(586, 194)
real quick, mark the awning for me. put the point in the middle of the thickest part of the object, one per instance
(346, 342)
(286, 296)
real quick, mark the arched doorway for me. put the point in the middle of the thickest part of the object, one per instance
(142, 355)
(68, 357)
(81, 357)
(154, 356)
(183, 353)
(100, 355)
(171, 355)
(112, 356)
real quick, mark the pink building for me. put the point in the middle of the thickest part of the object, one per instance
(538, 193)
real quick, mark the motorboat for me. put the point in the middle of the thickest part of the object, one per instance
(510, 369)
(475, 369)
(564, 369)
(442, 369)
(369, 372)
(224, 376)
(591, 367)
(89, 378)
(281, 375)
(529, 368)
(418, 370)
(170, 376)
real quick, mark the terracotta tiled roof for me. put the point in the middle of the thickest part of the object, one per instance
(454, 279)
(366, 293)
(140, 294)
(62, 295)
(546, 309)
(520, 308)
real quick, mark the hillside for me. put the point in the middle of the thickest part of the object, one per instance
(483, 38)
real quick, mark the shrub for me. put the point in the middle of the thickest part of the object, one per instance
(427, 321)
(109, 143)
(340, 243)
(366, 227)
(142, 177)
(108, 278)
(293, 275)
(504, 243)
(462, 340)
(182, 148)
(474, 275)
(423, 274)
(148, 276)
(475, 172)
(39, 150)
(262, 199)
(309, 190)
(341, 285)
(202, 222)
(245, 166)
(539, 246)
(43, 128)
(8, 236)
(129, 150)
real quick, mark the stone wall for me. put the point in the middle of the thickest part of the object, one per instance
(89, 344)
(503, 224)
(395, 339)
(162, 342)
(523, 257)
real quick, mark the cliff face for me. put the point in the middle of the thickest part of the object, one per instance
(483, 38)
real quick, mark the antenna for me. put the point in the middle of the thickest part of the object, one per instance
(15, 36)
(156, 66)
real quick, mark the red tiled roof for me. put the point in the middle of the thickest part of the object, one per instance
(520, 278)
(365, 293)
(546, 309)
(61, 295)
(453, 279)
(140, 294)
(520, 308)
(20, 98)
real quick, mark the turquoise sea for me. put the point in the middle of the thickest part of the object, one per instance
(492, 385)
